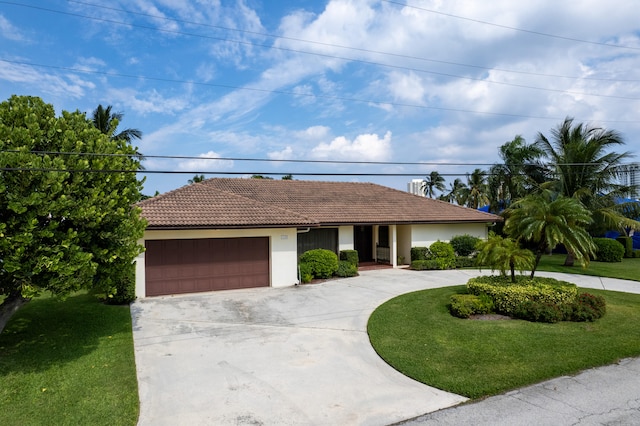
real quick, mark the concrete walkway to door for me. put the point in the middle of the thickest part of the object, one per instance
(291, 356)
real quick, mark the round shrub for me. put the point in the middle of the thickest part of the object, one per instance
(536, 311)
(443, 253)
(588, 307)
(608, 250)
(323, 263)
(346, 269)
(464, 245)
(465, 305)
(350, 256)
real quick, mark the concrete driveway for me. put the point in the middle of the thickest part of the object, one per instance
(289, 356)
(301, 356)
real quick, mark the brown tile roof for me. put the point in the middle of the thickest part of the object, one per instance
(243, 203)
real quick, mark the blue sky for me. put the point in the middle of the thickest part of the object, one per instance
(441, 84)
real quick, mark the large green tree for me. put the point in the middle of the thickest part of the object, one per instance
(546, 220)
(476, 192)
(431, 182)
(67, 220)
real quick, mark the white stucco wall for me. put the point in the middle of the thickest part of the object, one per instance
(425, 235)
(345, 238)
(283, 243)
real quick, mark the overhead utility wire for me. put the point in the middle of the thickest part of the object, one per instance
(309, 95)
(357, 49)
(538, 33)
(270, 160)
(362, 61)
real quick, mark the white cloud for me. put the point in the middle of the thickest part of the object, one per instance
(208, 162)
(365, 147)
(10, 31)
(285, 154)
(147, 102)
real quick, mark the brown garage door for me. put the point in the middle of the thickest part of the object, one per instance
(189, 266)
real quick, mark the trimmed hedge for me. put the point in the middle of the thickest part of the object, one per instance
(323, 263)
(347, 269)
(465, 262)
(627, 243)
(465, 305)
(608, 250)
(424, 265)
(420, 253)
(464, 245)
(509, 297)
(350, 256)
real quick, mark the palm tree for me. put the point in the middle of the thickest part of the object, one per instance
(196, 179)
(107, 122)
(433, 181)
(476, 193)
(519, 173)
(504, 254)
(546, 221)
(583, 167)
(455, 193)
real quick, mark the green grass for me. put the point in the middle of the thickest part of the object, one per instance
(68, 363)
(628, 269)
(415, 334)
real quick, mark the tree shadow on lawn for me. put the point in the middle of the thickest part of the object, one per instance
(47, 332)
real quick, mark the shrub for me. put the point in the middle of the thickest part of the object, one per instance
(443, 254)
(420, 253)
(323, 263)
(508, 297)
(465, 305)
(306, 272)
(350, 256)
(423, 265)
(588, 307)
(464, 245)
(346, 269)
(636, 254)
(537, 311)
(608, 250)
(465, 262)
(627, 243)
(120, 287)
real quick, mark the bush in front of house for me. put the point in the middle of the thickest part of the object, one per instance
(627, 243)
(465, 262)
(636, 254)
(425, 265)
(346, 269)
(323, 263)
(509, 297)
(305, 271)
(443, 254)
(608, 250)
(420, 253)
(465, 305)
(350, 256)
(464, 245)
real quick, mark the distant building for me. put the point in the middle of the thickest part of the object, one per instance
(630, 176)
(415, 187)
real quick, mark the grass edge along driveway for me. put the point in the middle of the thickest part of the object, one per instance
(417, 336)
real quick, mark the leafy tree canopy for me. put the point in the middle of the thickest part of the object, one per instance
(66, 222)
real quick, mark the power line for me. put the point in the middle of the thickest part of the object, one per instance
(242, 42)
(300, 94)
(271, 160)
(538, 33)
(357, 49)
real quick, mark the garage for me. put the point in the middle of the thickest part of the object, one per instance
(208, 264)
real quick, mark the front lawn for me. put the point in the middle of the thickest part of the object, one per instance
(68, 363)
(628, 269)
(416, 334)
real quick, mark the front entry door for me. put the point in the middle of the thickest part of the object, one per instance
(363, 242)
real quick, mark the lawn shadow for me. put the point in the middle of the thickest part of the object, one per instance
(47, 332)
